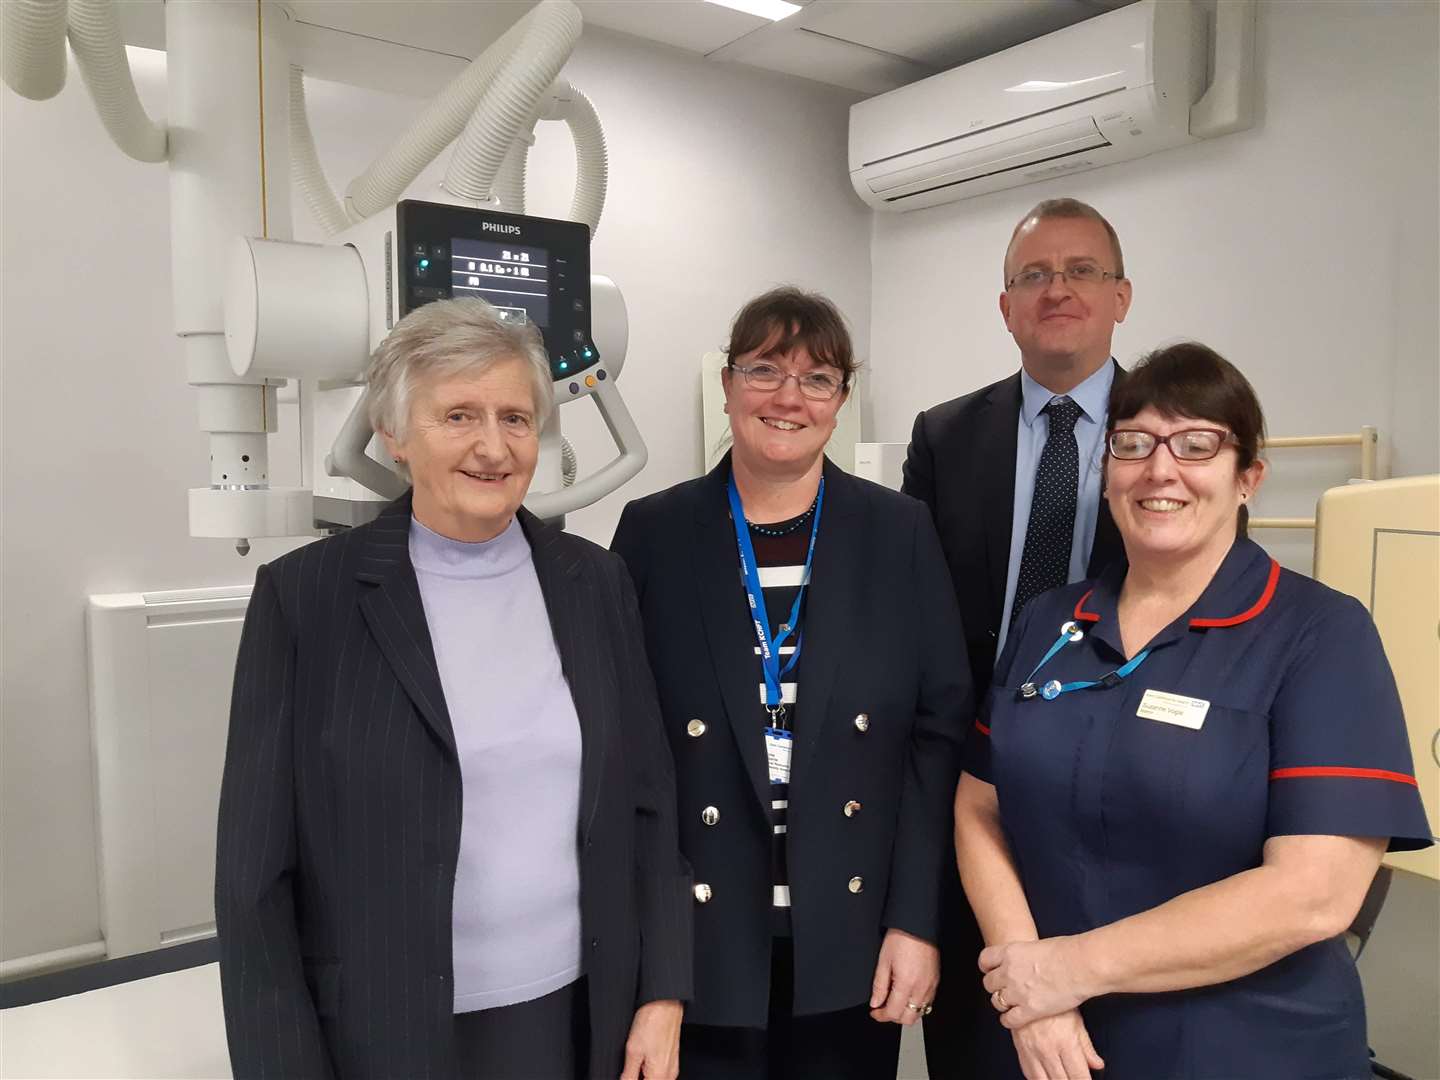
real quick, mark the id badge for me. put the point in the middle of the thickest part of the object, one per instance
(777, 753)
(1177, 709)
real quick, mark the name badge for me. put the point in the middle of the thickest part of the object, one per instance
(1177, 709)
(777, 753)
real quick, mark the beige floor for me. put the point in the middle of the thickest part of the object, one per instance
(912, 1055)
(166, 1027)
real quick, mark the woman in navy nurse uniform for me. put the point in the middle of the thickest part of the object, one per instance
(1184, 778)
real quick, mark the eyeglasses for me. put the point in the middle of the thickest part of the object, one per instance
(1079, 274)
(815, 385)
(1192, 444)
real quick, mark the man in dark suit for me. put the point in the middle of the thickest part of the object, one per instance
(1011, 474)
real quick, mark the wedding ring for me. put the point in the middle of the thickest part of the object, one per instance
(1000, 1002)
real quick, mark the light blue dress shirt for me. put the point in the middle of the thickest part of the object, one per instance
(1092, 395)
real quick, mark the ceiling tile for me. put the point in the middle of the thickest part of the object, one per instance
(453, 27)
(944, 34)
(824, 59)
(685, 24)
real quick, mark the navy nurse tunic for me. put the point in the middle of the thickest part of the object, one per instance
(1109, 814)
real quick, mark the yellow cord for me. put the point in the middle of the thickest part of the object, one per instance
(260, 64)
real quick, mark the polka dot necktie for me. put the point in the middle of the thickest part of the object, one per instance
(1045, 561)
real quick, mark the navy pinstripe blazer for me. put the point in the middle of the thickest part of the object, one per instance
(339, 827)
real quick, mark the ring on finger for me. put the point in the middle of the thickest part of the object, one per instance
(998, 1000)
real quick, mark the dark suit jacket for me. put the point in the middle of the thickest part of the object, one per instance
(961, 464)
(340, 808)
(882, 638)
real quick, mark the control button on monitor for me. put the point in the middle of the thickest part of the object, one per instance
(600, 374)
(574, 388)
(590, 381)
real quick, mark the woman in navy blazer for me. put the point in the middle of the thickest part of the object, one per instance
(447, 838)
(815, 804)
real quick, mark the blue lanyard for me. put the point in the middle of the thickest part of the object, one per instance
(1070, 633)
(750, 574)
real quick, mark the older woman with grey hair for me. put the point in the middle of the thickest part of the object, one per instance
(447, 840)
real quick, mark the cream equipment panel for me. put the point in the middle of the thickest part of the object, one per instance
(1380, 542)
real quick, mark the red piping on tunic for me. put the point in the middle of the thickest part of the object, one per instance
(1260, 605)
(1345, 771)
(1234, 620)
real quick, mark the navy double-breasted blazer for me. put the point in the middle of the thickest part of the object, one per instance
(883, 705)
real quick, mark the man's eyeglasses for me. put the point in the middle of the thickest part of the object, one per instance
(815, 385)
(1080, 274)
(1192, 444)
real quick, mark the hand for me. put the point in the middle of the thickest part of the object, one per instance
(1029, 980)
(653, 1049)
(906, 973)
(1056, 1048)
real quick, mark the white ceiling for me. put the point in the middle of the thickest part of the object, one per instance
(866, 46)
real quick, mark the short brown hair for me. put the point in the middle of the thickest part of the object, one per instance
(1067, 208)
(1194, 381)
(786, 318)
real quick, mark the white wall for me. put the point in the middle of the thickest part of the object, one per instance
(724, 181)
(1304, 250)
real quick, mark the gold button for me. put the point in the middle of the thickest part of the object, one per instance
(710, 815)
(590, 381)
(703, 893)
(852, 808)
(857, 884)
(862, 722)
(695, 728)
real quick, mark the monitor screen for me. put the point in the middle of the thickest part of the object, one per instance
(513, 277)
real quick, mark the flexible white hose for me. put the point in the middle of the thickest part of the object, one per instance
(510, 180)
(100, 54)
(569, 463)
(592, 168)
(32, 56)
(511, 99)
(305, 168)
(557, 22)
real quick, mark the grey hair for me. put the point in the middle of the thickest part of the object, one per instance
(444, 338)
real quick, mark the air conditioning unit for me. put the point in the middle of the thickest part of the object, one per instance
(1112, 88)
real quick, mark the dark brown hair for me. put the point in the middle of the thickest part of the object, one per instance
(1194, 381)
(786, 318)
(1067, 208)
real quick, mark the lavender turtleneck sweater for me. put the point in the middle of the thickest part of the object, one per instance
(517, 887)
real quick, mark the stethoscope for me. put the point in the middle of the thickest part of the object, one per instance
(1071, 634)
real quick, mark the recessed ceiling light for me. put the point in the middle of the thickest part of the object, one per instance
(766, 9)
